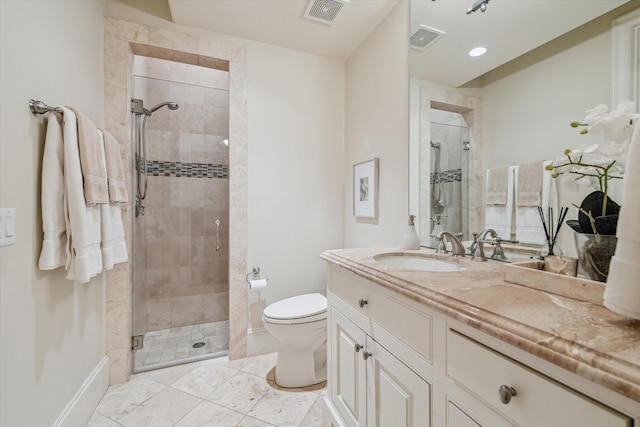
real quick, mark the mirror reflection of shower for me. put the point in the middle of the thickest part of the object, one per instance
(140, 143)
(437, 192)
(448, 172)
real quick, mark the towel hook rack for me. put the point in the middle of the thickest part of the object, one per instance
(39, 107)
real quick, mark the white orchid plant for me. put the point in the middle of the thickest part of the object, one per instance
(595, 165)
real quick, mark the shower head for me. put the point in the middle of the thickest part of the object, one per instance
(170, 105)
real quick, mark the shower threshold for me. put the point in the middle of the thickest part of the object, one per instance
(175, 346)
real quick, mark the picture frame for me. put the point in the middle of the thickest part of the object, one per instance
(365, 189)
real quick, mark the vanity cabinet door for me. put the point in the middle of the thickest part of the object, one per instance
(347, 369)
(396, 395)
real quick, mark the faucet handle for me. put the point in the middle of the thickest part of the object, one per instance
(442, 247)
(478, 254)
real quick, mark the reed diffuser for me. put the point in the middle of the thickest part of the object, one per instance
(550, 232)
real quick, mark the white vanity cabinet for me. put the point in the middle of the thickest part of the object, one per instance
(394, 362)
(369, 385)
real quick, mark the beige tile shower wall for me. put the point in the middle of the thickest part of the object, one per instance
(122, 40)
(184, 267)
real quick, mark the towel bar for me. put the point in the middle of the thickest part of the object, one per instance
(39, 107)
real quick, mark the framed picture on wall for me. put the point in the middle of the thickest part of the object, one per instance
(365, 189)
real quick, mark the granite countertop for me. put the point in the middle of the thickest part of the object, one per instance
(584, 338)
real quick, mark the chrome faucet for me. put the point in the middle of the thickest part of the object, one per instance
(456, 247)
(478, 251)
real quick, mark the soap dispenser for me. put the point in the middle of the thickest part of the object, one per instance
(411, 240)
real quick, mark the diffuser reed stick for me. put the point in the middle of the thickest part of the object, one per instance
(550, 232)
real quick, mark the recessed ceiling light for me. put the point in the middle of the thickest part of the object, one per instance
(477, 51)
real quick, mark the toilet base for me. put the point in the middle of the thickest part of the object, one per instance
(296, 368)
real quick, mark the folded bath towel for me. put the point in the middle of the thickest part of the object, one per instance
(115, 170)
(497, 185)
(529, 227)
(112, 243)
(83, 221)
(53, 253)
(529, 185)
(499, 215)
(96, 188)
(622, 293)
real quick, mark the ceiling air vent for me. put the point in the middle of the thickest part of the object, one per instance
(424, 37)
(324, 11)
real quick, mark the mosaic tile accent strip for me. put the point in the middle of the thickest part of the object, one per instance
(453, 175)
(185, 169)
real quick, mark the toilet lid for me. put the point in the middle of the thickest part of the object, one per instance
(297, 307)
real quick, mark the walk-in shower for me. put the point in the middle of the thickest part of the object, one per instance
(180, 232)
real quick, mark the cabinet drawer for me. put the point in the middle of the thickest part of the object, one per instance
(538, 400)
(398, 316)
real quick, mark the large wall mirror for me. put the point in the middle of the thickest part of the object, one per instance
(446, 96)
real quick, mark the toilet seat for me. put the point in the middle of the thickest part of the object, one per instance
(298, 309)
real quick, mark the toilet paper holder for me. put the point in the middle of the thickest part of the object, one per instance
(254, 271)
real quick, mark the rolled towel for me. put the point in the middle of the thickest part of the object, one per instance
(497, 185)
(622, 293)
(96, 189)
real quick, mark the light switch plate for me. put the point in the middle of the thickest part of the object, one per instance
(7, 226)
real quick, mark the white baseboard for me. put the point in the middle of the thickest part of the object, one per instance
(84, 402)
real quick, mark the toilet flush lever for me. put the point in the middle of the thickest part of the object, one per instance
(362, 302)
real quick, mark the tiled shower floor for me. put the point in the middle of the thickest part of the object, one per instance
(167, 347)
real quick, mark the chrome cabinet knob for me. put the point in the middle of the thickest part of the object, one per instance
(359, 347)
(506, 393)
(366, 355)
(362, 302)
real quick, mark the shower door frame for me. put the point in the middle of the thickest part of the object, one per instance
(122, 41)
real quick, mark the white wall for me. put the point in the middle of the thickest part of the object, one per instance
(377, 125)
(52, 330)
(295, 104)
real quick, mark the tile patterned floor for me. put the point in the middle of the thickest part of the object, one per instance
(215, 392)
(165, 347)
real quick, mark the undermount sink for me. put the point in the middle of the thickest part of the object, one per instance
(417, 262)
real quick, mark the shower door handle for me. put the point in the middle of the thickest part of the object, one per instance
(217, 234)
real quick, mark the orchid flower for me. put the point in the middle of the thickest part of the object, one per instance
(616, 126)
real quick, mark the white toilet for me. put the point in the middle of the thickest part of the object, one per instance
(300, 323)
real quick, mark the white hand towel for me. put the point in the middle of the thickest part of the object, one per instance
(53, 254)
(529, 227)
(622, 293)
(83, 222)
(499, 216)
